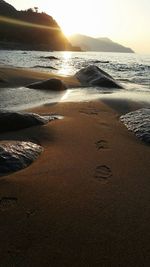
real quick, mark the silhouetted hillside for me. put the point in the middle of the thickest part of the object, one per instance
(6, 9)
(88, 43)
(30, 30)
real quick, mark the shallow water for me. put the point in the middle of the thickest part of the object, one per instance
(131, 70)
(23, 98)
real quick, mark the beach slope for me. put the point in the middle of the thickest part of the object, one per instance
(85, 200)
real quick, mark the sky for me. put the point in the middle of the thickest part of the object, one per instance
(124, 21)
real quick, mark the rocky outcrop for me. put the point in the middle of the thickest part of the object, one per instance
(15, 156)
(30, 30)
(11, 121)
(94, 76)
(50, 84)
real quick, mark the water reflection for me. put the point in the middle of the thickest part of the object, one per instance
(65, 66)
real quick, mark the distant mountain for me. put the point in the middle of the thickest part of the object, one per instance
(104, 44)
(30, 30)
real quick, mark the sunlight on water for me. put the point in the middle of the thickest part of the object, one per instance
(65, 67)
(131, 70)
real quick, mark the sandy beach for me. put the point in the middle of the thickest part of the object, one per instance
(85, 200)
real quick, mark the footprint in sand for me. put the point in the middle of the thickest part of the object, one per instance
(30, 213)
(8, 203)
(101, 144)
(102, 172)
(89, 111)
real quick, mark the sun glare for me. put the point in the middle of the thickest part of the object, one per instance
(76, 21)
(26, 24)
(68, 31)
(65, 68)
(69, 28)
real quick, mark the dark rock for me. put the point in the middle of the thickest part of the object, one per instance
(101, 61)
(15, 156)
(44, 67)
(50, 57)
(11, 121)
(94, 76)
(139, 123)
(50, 84)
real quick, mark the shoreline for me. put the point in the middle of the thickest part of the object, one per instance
(85, 200)
(13, 77)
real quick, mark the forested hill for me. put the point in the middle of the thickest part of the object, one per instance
(30, 29)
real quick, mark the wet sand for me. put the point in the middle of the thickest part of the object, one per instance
(85, 200)
(11, 76)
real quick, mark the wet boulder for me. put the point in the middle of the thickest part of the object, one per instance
(11, 121)
(138, 122)
(17, 155)
(94, 76)
(50, 84)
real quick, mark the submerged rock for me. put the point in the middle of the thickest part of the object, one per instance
(50, 57)
(50, 84)
(138, 122)
(44, 67)
(18, 155)
(101, 61)
(94, 76)
(11, 121)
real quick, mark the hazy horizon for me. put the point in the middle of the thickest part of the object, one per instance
(126, 23)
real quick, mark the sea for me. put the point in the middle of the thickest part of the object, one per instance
(132, 71)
